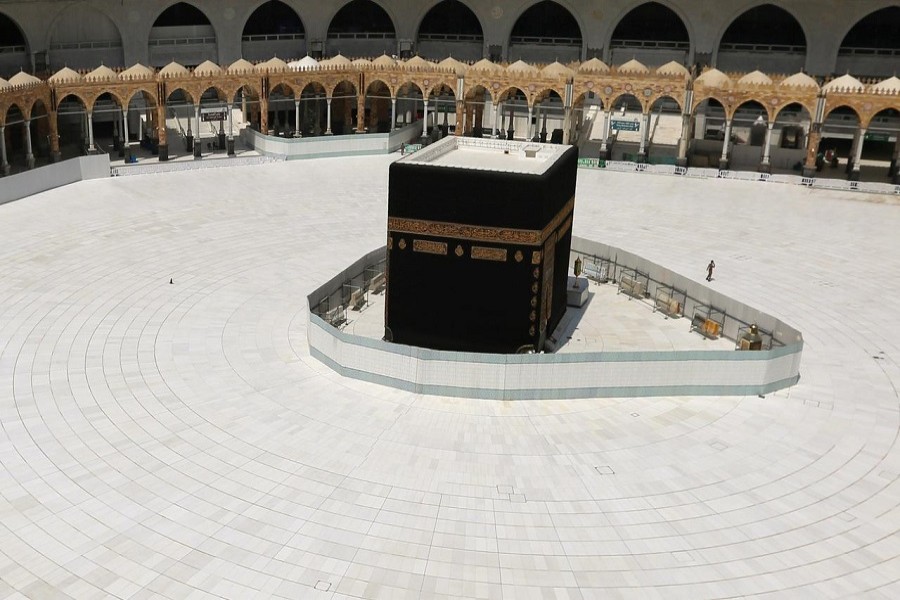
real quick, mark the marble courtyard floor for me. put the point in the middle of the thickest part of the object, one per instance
(178, 441)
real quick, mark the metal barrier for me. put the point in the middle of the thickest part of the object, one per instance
(709, 173)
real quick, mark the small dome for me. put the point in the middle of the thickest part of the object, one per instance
(673, 68)
(65, 74)
(890, 85)
(273, 64)
(714, 78)
(101, 73)
(417, 62)
(556, 69)
(337, 61)
(800, 80)
(241, 66)
(755, 78)
(362, 62)
(384, 61)
(844, 83)
(304, 64)
(23, 78)
(4, 84)
(593, 65)
(486, 66)
(633, 66)
(521, 66)
(137, 71)
(207, 67)
(173, 69)
(453, 64)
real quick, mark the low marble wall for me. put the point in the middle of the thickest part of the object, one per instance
(578, 375)
(52, 176)
(331, 145)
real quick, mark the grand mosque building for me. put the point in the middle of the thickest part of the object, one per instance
(189, 404)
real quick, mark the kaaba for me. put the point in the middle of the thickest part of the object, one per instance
(478, 240)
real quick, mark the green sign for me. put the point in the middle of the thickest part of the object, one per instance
(619, 125)
(878, 137)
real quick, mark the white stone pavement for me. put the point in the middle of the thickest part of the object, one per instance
(177, 441)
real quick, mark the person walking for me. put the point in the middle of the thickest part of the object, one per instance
(709, 270)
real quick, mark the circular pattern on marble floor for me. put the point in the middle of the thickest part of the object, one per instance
(178, 441)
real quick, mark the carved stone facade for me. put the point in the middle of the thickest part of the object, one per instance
(468, 85)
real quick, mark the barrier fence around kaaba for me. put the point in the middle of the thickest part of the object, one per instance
(570, 375)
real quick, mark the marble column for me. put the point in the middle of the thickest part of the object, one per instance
(764, 165)
(296, 117)
(684, 140)
(723, 161)
(29, 155)
(4, 166)
(327, 116)
(604, 141)
(90, 130)
(854, 174)
(393, 113)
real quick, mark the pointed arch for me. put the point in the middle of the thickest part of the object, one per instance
(450, 28)
(273, 29)
(82, 37)
(545, 31)
(765, 37)
(654, 33)
(183, 33)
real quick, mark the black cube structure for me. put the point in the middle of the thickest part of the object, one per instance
(479, 233)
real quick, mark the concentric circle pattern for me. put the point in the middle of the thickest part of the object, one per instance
(177, 440)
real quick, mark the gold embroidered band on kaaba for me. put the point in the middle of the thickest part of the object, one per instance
(478, 233)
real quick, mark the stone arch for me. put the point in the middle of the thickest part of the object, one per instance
(113, 94)
(652, 100)
(625, 96)
(700, 99)
(311, 95)
(362, 28)
(875, 29)
(450, 27)
(542, 30)
(272, 28)
(200, 44)
(842, 108)
(871, 46)
(747, 101)
(755, 39)
(670, 43)
(148, 93)
(85, 103)
(14, 46)
(82, 37)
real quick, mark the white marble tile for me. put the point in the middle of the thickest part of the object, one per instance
(178, 441)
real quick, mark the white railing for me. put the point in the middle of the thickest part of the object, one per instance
(619, 166)
(194, 165)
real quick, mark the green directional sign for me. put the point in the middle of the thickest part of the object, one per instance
(878, 137)
(620, 125)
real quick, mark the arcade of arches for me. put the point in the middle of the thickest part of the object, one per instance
(616, 112)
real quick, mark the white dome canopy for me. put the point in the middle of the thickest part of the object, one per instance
(101, 73)
(593, 65)
(23, 78)
(305, 63)
(173, 69)
(755, 78)
(891, 84)
(136, 71)
(714, 78)
(799, 80)
(633, 66)
(557, 69)
(673, 68)
(522, 67)
(844, 83)
(65, 74)
(207, 67)
(241, 66)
